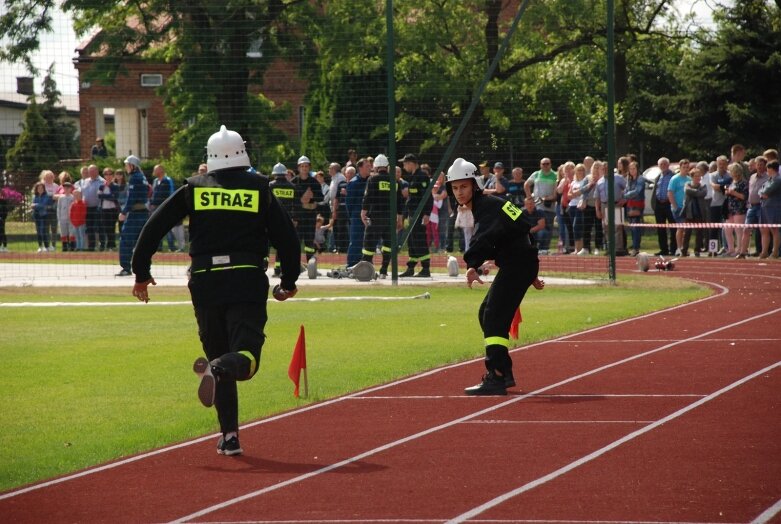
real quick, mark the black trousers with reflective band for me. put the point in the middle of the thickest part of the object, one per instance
(498, 309)
(232, 338)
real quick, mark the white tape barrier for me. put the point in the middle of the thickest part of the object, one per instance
(705, 225)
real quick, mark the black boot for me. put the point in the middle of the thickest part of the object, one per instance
(410, 271)
(492, 384)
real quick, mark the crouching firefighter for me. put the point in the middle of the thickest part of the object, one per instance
(233, 217)
(501, 235)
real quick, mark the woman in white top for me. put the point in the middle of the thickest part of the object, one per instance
(578, 192)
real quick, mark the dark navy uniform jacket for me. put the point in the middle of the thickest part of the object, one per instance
(501, 234)
(376, 200)
(233, 217)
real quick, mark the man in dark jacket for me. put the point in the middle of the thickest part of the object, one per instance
(502, 235)
(233, 218)
(377, 215)
(419, 187)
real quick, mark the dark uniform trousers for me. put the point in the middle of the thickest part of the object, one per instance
(307, 220)
(375, 232)
(498, 308)
(241, 325)
(418, 246)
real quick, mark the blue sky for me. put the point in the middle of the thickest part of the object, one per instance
(59, 47)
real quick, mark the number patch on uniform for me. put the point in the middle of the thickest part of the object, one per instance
(384, 185)
(512, 210)
(213, 198)
(283, 192)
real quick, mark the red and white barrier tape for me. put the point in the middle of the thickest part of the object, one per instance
(704, 225)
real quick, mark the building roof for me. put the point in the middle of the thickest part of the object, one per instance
(17, 101)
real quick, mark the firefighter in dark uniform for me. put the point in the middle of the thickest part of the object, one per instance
(501, 235)
(233, 218)
(308, 190)
(285, 191)
(377, 216)
(419, 187)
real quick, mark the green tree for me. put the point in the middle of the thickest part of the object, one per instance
(223, 50)
(728, 91)
(46, 136)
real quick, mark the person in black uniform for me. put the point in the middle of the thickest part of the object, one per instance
(501, 235)
(308, 190)
(418, 189)
(285, 191)
(233, 217)
(377, 216)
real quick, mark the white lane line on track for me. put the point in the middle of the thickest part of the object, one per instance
(435, 429)
(189, 303)
(493, 421)
(767, 515)
(475, 397)
(598, 453)
(722, 292)
(477, 521)
(656, 341)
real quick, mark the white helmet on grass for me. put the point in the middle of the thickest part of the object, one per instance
(225, 149)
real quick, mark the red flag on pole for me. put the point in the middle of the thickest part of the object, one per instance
(517, 319)
(298, 363)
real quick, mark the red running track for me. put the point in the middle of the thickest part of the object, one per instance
(669, 417)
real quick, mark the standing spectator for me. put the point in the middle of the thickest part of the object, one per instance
(308, 191)
(419, 187)
(486, 178)
(635, 204)
(377, 215)
(738, 156)
(754, 211)
(676, 196)
(109, 211)
(98, 149)
(770, 194)
(353, 201)
(619, 186)
(119, 188)
(542, 186)
(590, 218)
(338, 217)
(90, 189)
(566, 234)
(515, 192)
(162, 188)
(504, 237)
(432, 228)
(78, 216)
(41, 209)
(737, 205)
(719, 181)
(135, 213)
(497, 183)
(64, 203)
(4, 208)
(694, 210)
(660, 202)
(352, 159)
(578, 192)
(52, 189)
(229, 287)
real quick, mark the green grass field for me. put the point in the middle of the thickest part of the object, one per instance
(84, 385)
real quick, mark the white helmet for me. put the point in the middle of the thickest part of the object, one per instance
(304, 160)
(463, 170)
(381, 161)
(133, 160)
(279, 169)
(226, 149)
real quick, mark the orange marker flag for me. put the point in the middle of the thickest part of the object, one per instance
(298, 364)
(517, 319)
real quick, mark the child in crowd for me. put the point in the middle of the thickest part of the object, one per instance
(78, 216)
(41, 204)
(320, 230)
(64, 202)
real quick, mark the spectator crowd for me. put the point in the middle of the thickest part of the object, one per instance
(724, 195)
